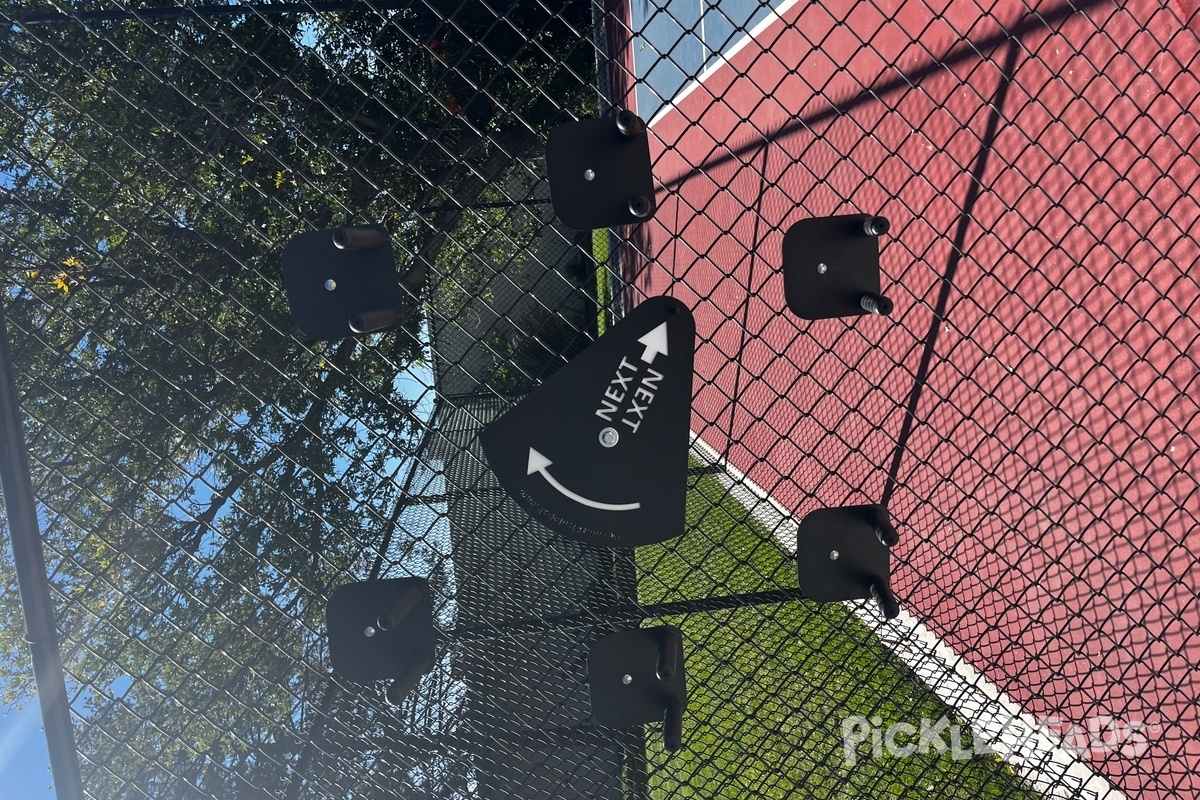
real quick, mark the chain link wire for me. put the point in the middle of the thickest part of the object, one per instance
(208, 476)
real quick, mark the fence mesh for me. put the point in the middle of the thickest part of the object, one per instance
(208, 476)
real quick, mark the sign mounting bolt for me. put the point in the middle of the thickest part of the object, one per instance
(609, 437)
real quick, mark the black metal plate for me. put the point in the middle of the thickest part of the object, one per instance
(355, 607)
(644, 698)
(851, 266)
(620, 166)
(861, 558)
(634, 382)
(364, 280)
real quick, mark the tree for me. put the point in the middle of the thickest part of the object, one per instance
(207, 474)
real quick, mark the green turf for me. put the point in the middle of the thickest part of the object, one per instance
(603, 280)
(770, 686)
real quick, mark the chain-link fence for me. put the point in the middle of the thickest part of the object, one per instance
(207, 476)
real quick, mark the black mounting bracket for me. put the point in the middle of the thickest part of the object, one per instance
(843, 554)
(599, 172)
(637, 676)
(382, 629)
(831, 267)
(342, 282)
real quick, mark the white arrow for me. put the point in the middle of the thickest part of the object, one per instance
(538, 463)
(656, 342)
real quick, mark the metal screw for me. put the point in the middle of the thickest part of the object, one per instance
(609, 437)
(834, 555)
(330, 285)
(822, 268)
(589, 174)
(639, 206)
(369, 631)
(626, 679)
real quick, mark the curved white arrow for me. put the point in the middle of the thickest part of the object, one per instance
(538, 463)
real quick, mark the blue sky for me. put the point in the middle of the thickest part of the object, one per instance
(24, 761)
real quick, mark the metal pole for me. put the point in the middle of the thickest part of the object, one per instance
(623, 614)
(30, 561)
(533, 201)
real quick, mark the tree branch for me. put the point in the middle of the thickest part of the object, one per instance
(308, 426)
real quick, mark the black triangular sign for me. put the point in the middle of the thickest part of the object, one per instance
(599, 452)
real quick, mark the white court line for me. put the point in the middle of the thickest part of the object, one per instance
(773, 14)
(1034, 752)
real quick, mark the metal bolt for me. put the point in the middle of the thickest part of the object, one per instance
(369, 631)
(875, 304)
(629, 123)
(822, 268)
(627, 679)
(589, 174)
(640, 206)
(330, 285)
(834, 555)
(609, 437)
(876, 226)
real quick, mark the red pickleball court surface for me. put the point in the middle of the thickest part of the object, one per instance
(1038, 166)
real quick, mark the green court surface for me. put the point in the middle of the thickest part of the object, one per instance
(770, 686)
